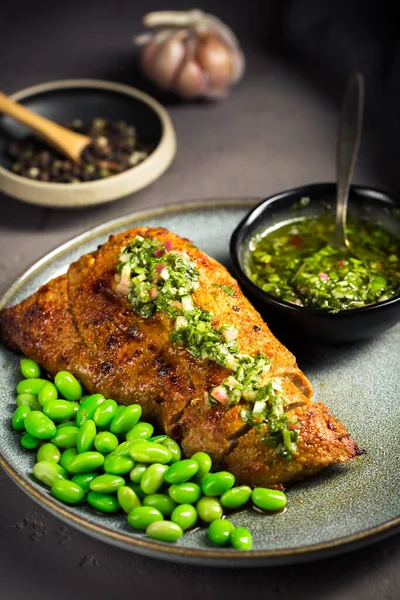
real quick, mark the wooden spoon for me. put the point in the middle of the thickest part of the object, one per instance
(67, 142)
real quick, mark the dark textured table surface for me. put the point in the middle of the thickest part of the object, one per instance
(276, 131)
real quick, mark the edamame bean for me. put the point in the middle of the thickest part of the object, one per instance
(181, 471)
(30, 386)
(107, 484)
(29, 368)
(174, 448)
(48, 452)
(59, 410)
(236, 497)
(241, 539)
(137, 489)
(209, 509)
(117, 465)
(140, 431)
(136, 473)
(161, 502)
(126, 419)
(28, 400)
(142, 516)
(218, 483)
(204, 461)
(38, 425)
(159, 438)
(149, 452)
(184, 515)
(84, 479)
(153, 478)
(128, 499)
(105, 441)
(220, 531)
(268, 499)
(123, 449)
(185, 493)
(47, 472)
(18, 418)
(164, 531)
(68, 386)
(67, 456)
(104, 414)
(66, 424)
(67, 491)
(88, 408)
(103, 502)
(86, 436)
(29, 442)
(66, 437)
(48, 393)
(86, 462)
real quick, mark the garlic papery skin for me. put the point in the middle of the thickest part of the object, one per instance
(190, 53)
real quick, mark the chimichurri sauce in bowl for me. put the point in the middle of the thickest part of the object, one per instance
(295, 263)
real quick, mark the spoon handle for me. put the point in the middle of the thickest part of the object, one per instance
(65, 141)
(348, 144)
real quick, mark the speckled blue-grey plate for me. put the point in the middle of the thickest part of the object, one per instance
(340, 509)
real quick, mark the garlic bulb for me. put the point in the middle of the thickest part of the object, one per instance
(190, 53)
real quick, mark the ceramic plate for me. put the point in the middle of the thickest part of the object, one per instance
(343, 507)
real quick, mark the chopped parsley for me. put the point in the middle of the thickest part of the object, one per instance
(156, 277)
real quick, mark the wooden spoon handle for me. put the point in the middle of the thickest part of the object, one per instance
(65, 141)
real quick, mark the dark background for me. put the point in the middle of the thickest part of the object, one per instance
(276, 131)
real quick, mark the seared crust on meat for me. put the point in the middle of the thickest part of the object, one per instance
(78, 322)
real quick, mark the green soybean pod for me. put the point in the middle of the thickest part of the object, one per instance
(184, 515)
(161, 502)
(181, 471)
(137, 471)
(66, 457)
(236, 497)
(30, 386)
(18, 418)
(218, 483)
(84, 479)
(126, 419)
(59, 410)
(220, 531)
(104, 414)
(86, 436)
(48, 471)
(48, 393)
(185, 493)
(86, 462)
(68, 386)
(107, 483)
(153, 478)
(204, 461)
(28, 400)
(48, 452)
(164, 531)
(40, 426)
(128, 499)
(140, 431)
(268, 499)
(105, 442)
(29, 368)
(117, 465)
(29, 442)
(66, 437)
(149, 452)
(67, 491)
(209, 509)
(174, 448)
(103, 502)
(88, 408)
(241, 539)
(142, 516)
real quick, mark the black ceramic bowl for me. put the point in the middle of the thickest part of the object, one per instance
(344, 326)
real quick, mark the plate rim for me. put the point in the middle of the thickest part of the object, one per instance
(216, 557)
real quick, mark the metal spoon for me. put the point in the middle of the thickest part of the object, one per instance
(348, 144)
